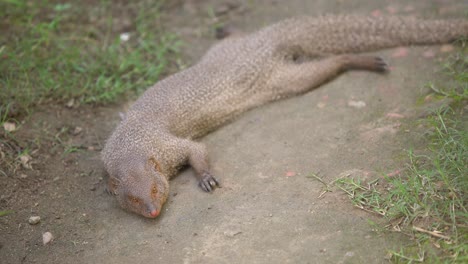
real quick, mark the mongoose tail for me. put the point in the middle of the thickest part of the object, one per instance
(351, 34)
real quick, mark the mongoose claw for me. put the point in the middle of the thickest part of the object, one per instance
(208, 182)
(381, 65)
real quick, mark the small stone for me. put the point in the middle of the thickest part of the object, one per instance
(25, 161)
(34, 220)
(70, 103)
(77, 130)
(321, 105)
(9, 126)
(357, 104)
(323, 250)
(124, 37)
(23, 176)
(47, 237)
(349, 254)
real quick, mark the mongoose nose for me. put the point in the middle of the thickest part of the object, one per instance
(154, 213)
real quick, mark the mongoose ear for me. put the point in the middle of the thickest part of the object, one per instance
(113, 184)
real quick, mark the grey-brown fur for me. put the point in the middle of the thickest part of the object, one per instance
(157, 134)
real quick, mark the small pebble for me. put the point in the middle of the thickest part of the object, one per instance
(25, 161)
(33, 220)
(9, 127)
(77, 130)
(357, 104)
(124, 37)
(47, 237)
(349, 254)
(321, 105)
(70, 103)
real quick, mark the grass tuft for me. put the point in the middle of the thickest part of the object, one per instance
(428, 200)
(56, 52)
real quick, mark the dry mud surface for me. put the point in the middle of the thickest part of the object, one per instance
(268, 210)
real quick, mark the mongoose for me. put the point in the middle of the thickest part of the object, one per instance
(288, 58)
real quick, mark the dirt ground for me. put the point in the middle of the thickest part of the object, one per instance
(268, 210)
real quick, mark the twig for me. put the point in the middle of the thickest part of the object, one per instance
(430, 233)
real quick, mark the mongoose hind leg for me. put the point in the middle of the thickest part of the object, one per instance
(198, 159)
(294, 78)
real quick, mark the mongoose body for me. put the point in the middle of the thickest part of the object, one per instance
(288, 58)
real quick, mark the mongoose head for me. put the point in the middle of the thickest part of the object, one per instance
(142, 189)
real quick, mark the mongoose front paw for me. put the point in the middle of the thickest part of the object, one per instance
(208, 182)
(380, 65)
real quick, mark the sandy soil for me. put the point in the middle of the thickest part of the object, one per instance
(268, 210)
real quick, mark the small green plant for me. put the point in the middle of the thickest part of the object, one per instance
(5, 212)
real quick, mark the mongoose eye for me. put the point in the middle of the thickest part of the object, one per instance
(154, 191)
(134, 200)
